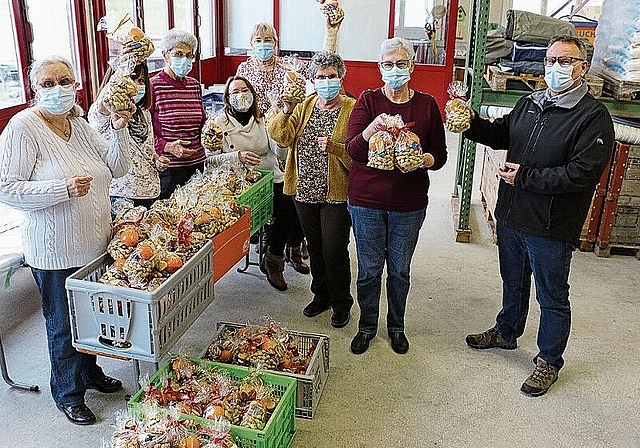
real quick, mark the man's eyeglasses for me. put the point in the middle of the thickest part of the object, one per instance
(332, 76)
(64, 82)
(388, 65)
(564, 61)
(180, 55)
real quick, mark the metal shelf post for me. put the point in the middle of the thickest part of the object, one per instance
(476, 46)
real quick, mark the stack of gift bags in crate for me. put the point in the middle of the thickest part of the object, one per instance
(245, 390)
(150, 245)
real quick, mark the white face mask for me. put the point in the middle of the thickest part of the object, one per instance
(57, 100)
(558, 78)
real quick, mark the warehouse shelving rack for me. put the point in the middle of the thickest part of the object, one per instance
(481, 94)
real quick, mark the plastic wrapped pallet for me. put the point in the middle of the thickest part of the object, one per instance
(617, 45)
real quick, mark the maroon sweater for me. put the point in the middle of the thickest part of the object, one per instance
(393, 190)
(178, 114)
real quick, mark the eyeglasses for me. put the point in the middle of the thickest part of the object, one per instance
(64, 82)
(180, 55)
(564, 61)
(388, 65)
(332, 76)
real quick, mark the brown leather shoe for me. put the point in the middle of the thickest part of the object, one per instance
(273, 266)
(294, 256)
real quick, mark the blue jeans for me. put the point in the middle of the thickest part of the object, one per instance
(521, 255)
(70, 369)
(384, 236)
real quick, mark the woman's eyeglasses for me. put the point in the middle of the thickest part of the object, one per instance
(180, 55)
(564, 61)
(332, 76)
(388, 65)
(64, 82)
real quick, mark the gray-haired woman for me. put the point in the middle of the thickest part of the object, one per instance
(316, 176)
(177, 111)
(388, 207)
(57, 170)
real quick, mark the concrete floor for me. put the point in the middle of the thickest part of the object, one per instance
(440, 394)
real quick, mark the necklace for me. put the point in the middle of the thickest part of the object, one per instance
(63, 130)
(387, 96)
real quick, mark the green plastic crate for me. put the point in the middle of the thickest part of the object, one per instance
(279, 430)
(260, 198)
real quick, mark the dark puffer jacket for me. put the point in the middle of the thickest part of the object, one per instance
(562, 149)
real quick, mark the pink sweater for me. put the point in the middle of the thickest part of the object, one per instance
(178, 114)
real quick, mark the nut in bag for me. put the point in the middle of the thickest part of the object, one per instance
(457, 110)
(333, 11)
(408, 151)
(294, 83)
(119, 92)
(381, 146)
(212, 136)
(133, 40)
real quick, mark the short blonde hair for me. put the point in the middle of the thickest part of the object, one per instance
(263, 29)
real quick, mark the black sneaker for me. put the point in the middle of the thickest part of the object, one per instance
(489, 339)
(539, 382)
(315, 308)
(340, 319)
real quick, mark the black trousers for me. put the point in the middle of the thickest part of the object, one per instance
(326, 227)
(285, 217)
(179, 175)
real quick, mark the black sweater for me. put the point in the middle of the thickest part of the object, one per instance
(562, 150)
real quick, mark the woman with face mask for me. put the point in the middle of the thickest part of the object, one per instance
(266, 72)
(141, 185)
(245, 141)
(316, 176)
(265, 69)
(177, 111)
(388, 207)
(57, 170)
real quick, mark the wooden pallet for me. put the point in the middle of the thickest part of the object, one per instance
(617, 249)
(497, 79)
(618, 89)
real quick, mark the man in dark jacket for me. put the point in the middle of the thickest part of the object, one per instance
(559, 141)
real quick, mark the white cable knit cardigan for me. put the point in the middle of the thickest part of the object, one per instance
(60, 232)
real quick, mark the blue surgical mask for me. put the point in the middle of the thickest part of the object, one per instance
(241, 101)
(138, 96)
(57, 100)
(181, 66)
(264, 50)
(327, 89)
(558, 78)
(396, 77)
